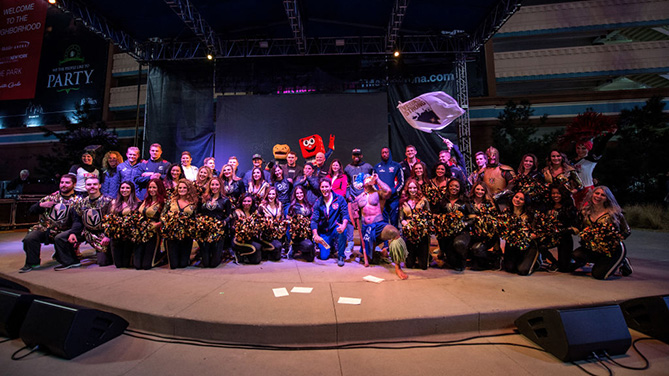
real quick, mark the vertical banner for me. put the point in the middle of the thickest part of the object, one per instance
(21, 32)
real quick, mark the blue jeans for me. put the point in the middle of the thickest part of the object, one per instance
(335, 240)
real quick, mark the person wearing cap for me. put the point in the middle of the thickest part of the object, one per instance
(356, 172)
(257, 162)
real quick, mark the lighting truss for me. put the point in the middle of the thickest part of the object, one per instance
(395, 23)
(102, 27)
(462, 97)
(192, 18)
(502, 11)
(296, 25)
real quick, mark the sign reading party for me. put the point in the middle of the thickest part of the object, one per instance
(21, 32)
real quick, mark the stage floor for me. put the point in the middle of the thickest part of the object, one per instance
(236, 303)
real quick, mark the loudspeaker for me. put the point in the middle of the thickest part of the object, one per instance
(5, 283)
(649, 315)
(14, 306)
(574, 334)
(68, 330)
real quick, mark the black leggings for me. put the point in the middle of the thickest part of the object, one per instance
(248, 253)
(455, 249)
(418, 253)
(604, 265)
(146, 252)
(521, 261)
(305, 246)
(480, 256)
(122, 252)
(271, 250)
(178, 252)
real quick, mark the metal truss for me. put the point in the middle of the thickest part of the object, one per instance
(296, 25)
(192, 18)
(102, 27)
(462, 97)
(395, 23)
(502, 11)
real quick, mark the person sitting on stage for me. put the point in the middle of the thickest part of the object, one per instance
(520, 253)
(375, 230)
(123, 205)
(56, 222)
(328, 222)
(217, 206)
(148, 254)
(602, 213)
(91, 210)
(178, 213)
(272, 209)
(453, 240)
(481, 209)
(415, 214)
(246, 245)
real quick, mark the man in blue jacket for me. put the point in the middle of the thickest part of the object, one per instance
(328, 222)
(154, 168)
(390, 172)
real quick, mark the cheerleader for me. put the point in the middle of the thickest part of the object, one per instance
(271, 240)
(215, 205)
(246, 244)
(147, 254)
(177, 219)
(123, 205)
(172, 177)
(559, 170)
(419, 174)
(233, 186)
(258, 186)
(204, 175)
(414, 220)
(601, 213)
(565, 214)
(451, 235)
(520, 253)
(480, 210)
(300, 231)
(435, 189)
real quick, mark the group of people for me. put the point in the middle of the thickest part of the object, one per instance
(147, 213)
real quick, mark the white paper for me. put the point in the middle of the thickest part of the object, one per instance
(280, 292)
(371, 278)
(302, 290)
(343, 300)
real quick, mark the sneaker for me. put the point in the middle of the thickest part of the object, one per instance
(626, 267)
(552, 267)
(28, 268)
(65, 267)
(340, 262)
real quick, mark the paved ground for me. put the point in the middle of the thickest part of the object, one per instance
(235, 303)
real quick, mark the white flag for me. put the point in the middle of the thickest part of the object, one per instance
(431, 111)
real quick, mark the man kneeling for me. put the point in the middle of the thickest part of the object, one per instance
(374, 229)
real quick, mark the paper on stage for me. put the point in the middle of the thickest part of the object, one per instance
(371, 278)
(343, 300)
(302, 290)
(280, 292)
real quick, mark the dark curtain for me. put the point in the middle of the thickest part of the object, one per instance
(180, 110)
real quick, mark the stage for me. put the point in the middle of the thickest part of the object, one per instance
(236, 303)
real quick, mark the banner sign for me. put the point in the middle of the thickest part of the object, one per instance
(21, 31)
(431, 111)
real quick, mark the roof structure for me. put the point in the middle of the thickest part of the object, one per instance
(152, 30)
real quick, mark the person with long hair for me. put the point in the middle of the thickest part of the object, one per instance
(233, 185)
(148, 254)
(419, 174)
(435, 189)
(339, 179)
(480, 209)
(284, 188)
(258, 186)
(529, 180)
(181, 207)
(520, 252)
(174, 173)
(529, 167)
(124, 204)
(563, 211)
(272, 209)
(204, 175)
(414, 217)
(602, 212)
(300, 214)
(309, 182)
(559, 170)
(217, 206)
(453, 240)
(247, 246)
(82, 171)
(111, 179)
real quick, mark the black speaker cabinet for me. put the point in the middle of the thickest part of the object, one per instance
(574, 334)
(68, 330)
(14, 306)
(5, 283)
(649, 315)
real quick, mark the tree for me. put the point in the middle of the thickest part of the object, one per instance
(82, 133)
(515, 135)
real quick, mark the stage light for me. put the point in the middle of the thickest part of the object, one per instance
(396, 54)
(340, 42)
(210, 57)
(263, 44)
(52, 1)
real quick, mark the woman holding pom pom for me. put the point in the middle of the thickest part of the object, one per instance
(212, 222)
(246, 243)
(482, 219)
(273, 229)
(415, 221)
(520, 253)
(123, 206)
(300, 230)
(450, 226)
(147, 254)
(178, 222)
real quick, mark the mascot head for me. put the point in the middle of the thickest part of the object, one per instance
(311, 145)
(280, 151)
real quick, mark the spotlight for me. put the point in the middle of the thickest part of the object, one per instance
(210, 57)
(396, 54)
(263, 44)
(52, 1)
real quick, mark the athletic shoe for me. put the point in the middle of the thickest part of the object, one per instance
(65, 267)
(552, 267)
(626, 267)
(340, 262)
(28, 268)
